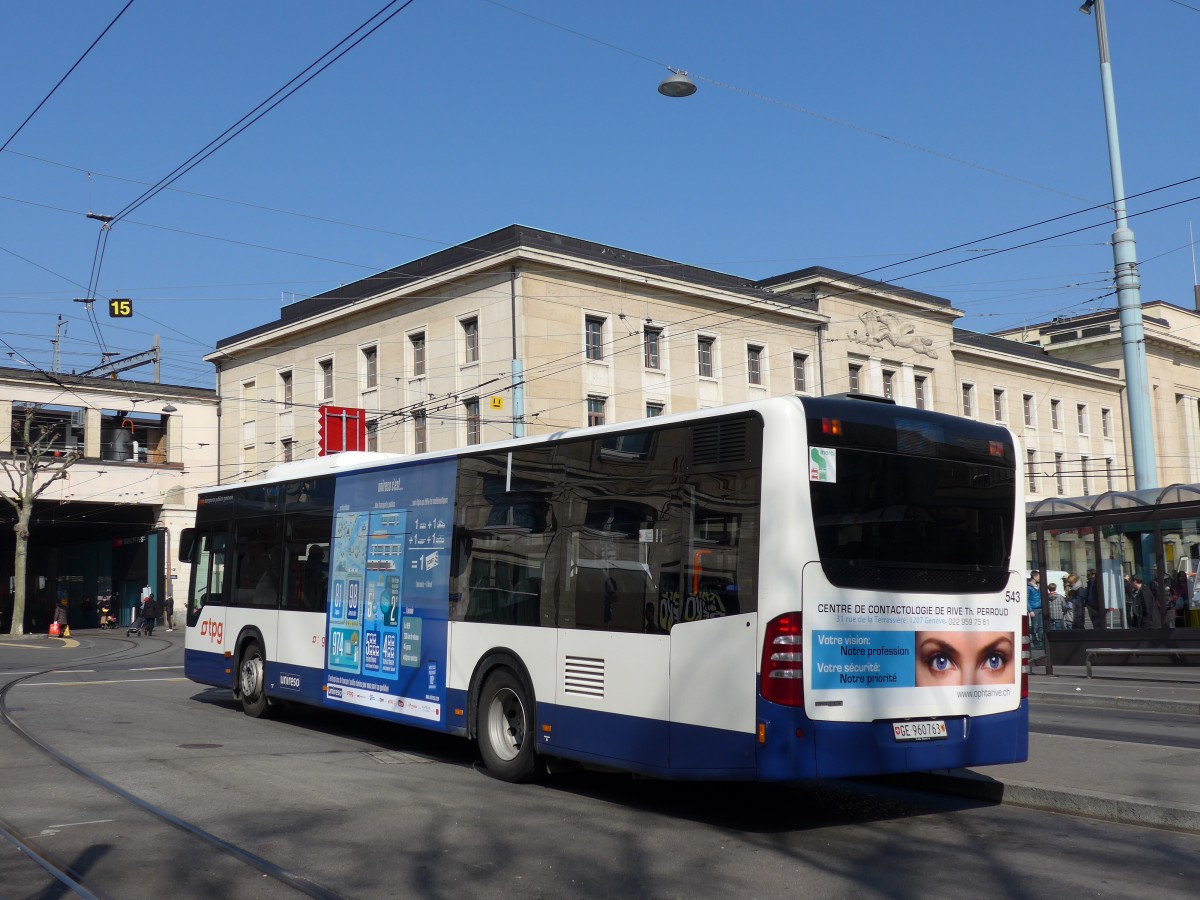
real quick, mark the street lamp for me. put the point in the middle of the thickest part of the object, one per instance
(1129, 292)
(677, 84)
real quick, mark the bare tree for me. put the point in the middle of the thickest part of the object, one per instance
(33, 467)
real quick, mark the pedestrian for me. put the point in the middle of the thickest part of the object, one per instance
(149, 613)
(1033, 596)
(1057, 606)
(1091, 598)
(61, 618)
(1144, 604)
(170, 612)
(1074, 598)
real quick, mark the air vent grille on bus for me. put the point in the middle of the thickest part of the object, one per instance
(719, 443)
(583, 675)
(854, 574)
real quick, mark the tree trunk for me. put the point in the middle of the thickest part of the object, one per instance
(20, 567)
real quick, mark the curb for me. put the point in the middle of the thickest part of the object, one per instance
(1145, 704)
(1076, 802)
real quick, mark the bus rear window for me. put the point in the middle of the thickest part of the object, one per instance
(893, 522)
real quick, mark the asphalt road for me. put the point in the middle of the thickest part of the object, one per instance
(360, 809)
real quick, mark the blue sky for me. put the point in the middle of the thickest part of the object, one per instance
(850, 135)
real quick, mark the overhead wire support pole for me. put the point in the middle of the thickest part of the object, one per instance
(1129, 290)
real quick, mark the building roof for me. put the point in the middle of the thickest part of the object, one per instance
(106, 383)
(512, 237)
(1028, 351)
(820, 273)
(1097, 317)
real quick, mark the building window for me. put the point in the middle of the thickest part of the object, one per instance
(1029, 470)
(1108, 473)
(470, 329)
(654, 410)
(1083, 474)
(285, 388)
(471, 408)
(754, 364)
(595, 411)
(1055, 423)
(1081, 417)
(799, 361)
(417, 342)
(288, 454)
(593, 337)
(420, 434)
(920, 384)
(1106, 422)
(968, 391)
(889, 384)
(1058, 473)
(249, 427)
(652, 348)
(704, 347)
(373, 435)
(370, 361)
(326, 379)
(1027, 405)
(855, 377)
(998, 404)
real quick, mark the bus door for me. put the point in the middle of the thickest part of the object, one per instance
(713, 665)
(256, 582)
(612, 694)
(206, 634)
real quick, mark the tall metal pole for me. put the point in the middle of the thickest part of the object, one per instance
(1129, 291)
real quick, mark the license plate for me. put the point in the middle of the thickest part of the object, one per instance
(932, 730)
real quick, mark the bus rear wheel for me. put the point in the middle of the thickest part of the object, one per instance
(505, 732)
(252, 681)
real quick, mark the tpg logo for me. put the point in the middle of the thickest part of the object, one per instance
(215, 631)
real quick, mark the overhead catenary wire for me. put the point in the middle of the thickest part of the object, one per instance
(59, 84)
(306, 75)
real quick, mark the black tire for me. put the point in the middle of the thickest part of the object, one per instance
(505, 727)
(252, 681)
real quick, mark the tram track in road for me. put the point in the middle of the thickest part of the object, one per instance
(161, 646)
(76, 878)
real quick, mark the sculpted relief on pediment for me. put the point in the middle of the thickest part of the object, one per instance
(888, 328)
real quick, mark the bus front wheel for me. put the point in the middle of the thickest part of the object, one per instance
(252, 681)
(506, 736)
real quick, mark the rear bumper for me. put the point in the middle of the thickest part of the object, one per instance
(797, 748)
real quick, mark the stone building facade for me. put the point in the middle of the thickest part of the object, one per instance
(111, 526)
(524, 331)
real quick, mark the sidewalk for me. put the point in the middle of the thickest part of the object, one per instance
(1137, 784)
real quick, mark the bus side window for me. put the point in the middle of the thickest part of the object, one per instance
(312, 578)
(258, 563)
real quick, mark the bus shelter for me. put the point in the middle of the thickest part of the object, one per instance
(1105, 541)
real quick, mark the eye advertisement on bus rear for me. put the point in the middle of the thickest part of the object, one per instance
(388, 582)
(934, 656)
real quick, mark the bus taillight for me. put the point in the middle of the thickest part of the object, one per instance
(1026, 657)
(783, 661)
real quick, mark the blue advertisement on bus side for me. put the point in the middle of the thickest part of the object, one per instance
(389, 578)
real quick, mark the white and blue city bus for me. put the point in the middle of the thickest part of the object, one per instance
(787, 589)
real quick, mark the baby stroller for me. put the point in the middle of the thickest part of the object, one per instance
(107, 619)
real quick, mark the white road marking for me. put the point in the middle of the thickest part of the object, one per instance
(54, 829)
(86, 683)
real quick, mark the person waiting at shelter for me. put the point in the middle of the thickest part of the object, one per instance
(1033, 597)
(1056, 603)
